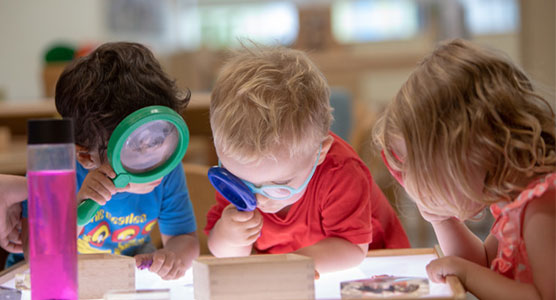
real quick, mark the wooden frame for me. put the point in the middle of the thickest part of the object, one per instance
(456, 287)
(9, 273)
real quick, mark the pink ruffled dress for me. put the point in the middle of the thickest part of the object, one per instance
(511, 259)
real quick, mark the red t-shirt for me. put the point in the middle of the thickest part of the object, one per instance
(341, 200)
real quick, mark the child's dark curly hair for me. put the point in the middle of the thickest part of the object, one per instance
(100, 90)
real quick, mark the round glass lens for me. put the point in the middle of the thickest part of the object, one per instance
(149, 146)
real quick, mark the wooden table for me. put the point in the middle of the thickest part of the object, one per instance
(399, 262)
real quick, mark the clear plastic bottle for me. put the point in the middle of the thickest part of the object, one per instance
(52, 209)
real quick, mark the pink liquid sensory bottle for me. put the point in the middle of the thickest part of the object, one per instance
(52, 209)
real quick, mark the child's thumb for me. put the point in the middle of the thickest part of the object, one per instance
(242, 216)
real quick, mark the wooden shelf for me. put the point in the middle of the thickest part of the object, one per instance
(14, 116)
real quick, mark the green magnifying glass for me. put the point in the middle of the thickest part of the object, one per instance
(146, 145)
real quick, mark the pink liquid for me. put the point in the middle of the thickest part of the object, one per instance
(53, 234)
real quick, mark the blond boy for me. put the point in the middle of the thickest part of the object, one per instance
(270, 118)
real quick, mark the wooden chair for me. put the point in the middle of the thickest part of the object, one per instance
(201, 193)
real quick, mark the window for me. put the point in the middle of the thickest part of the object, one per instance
(491, 16)
(226, 25)
(374, 20)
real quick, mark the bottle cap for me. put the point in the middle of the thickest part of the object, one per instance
(50, 131)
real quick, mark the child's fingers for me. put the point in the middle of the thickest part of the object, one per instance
(253, 218)
(157, 264)
(254, 230)
(174, 273)
(252, 238)
(107, 170)
(166, 267)
(256, 220)
(11, 240)
(14, 236)
(434, 272)
(99, 189)
(228, 211)
(180, 272)
(242, 216)
(102, 182)
(14, 221)
(12, 247)
(14, 214)
(162, 263)
(95, 196)
(252, 223)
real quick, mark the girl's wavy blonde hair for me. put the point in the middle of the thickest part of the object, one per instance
(465, 109)
(269, 99)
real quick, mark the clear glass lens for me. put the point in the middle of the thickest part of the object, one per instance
(277, 192)
(149, 146)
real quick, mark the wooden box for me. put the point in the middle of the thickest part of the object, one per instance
(99, 273)
(280, 276)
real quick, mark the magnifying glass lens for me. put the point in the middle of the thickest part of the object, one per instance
(149, 146)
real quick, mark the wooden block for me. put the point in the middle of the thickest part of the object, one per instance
(280, 276)
(100, 273)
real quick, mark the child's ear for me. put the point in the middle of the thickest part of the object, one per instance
(84, 157)
(326, 144)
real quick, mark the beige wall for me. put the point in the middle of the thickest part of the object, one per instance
(537, 41)
(27, 28)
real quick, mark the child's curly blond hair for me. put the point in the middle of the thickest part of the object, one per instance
(266, 100)
(464, 109)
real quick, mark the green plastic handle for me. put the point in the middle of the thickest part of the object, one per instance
(86, 211)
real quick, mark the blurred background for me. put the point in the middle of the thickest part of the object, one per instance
(365, 48)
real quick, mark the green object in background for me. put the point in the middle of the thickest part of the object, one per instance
(59, 53)
(146, 145)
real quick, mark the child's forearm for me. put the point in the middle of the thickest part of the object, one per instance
(486, 284)
(333, 254)
(219, 247)
(185, 246)
(457, 240)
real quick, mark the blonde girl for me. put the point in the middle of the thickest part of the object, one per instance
(467, 131)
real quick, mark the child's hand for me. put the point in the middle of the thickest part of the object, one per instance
(240, 228)
(13, 191)
(430, 216)
(98, 185)
(10, 227)
(165, 263)
(438, 269)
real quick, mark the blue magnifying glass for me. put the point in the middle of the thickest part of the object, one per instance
(232, 188)
(242, 193)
